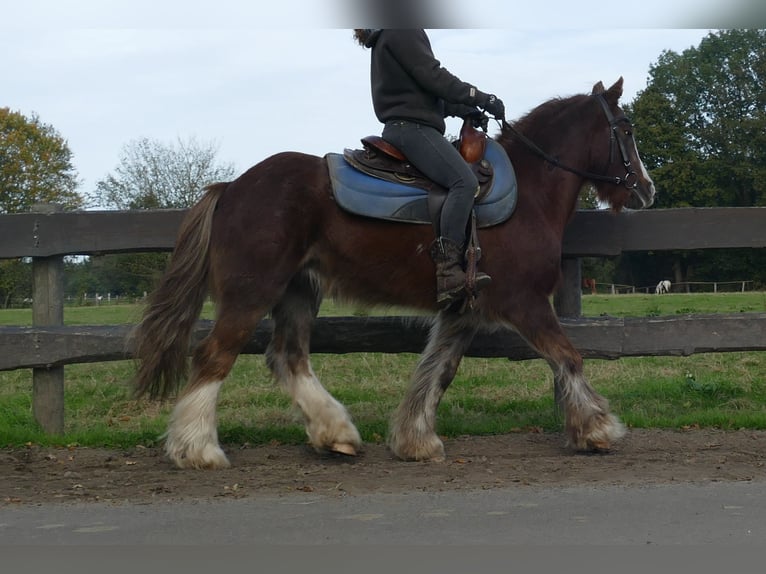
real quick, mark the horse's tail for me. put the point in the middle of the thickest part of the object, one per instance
(161, 339)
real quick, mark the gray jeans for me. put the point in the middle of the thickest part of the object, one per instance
(432, 154)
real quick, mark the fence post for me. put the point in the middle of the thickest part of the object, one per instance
(567, 300)
(48, 310)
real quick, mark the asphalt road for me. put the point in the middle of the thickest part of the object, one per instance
(730, 513)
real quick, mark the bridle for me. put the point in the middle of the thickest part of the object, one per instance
(629, 180)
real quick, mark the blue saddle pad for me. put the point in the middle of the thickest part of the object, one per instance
(366, 195)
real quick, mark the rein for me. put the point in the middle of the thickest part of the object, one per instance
(613, 123)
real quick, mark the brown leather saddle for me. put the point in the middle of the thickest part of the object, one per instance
(381, 159)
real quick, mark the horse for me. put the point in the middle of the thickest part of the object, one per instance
(590, 284)
(662, 287)
(275, 241)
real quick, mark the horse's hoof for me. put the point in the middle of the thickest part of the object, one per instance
(427, 451)
(343, 448)
(211, 457)
(600, 448)
(602, 431)
(437, 458)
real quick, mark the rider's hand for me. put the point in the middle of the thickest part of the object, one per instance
(494, 106)
(478, 120)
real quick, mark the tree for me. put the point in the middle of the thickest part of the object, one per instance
(151, 175)
(702, 122)
(701, 130)
(154, 175)
(35, 165)
(15, 281)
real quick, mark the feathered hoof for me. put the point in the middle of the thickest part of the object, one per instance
(210, 457)
(423, 449)
(344, 448)
(334, 435)
(599, 435)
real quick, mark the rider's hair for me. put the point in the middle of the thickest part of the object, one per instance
(361, 35)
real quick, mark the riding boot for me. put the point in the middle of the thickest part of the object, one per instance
(450, 276)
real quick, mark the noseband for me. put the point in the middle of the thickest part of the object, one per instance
(629, 180)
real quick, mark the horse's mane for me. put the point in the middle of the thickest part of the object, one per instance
(538, 121)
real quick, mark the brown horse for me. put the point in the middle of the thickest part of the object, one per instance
(590, 284)
(274, 241)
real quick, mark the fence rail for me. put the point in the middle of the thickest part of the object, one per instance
(590, 234)
(594, 337)
(680, 287)
(48, 235)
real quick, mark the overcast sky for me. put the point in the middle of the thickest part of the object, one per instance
(256, 79)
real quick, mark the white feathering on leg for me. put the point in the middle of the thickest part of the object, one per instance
(192, 437)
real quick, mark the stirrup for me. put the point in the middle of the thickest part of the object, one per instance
(446, 299)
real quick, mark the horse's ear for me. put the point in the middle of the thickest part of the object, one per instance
(615, 92)
(598, 88)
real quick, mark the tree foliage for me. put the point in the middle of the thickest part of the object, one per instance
(125, 276)
(15, 281)
(702, 122)
(153, 175)
(701, 130)
(150, 175)
(35, 165)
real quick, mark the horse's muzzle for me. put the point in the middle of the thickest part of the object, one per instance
(641, 196)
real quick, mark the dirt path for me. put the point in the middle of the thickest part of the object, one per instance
(36, 474)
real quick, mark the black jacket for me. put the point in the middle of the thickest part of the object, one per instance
(408, 82)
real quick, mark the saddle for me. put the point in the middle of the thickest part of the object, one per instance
(383, 160)
(379, 182)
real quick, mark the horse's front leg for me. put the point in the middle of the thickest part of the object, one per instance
(588, 421)
(412, 435)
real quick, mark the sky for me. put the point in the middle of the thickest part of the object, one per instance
(256, 78)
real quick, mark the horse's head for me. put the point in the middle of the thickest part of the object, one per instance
(631, 185)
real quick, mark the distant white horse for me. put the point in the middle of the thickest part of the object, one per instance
(662, 287)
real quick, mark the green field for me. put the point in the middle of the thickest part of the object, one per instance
(673, 304)
(488, 396)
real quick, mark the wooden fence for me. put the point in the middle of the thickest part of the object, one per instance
(47, 235)
(682, 287)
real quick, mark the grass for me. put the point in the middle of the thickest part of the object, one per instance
(488, 396)
(673, 304)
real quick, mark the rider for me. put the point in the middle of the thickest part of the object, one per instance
(411, 95)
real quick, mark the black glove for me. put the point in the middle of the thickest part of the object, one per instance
(478, 120)
(494, 106)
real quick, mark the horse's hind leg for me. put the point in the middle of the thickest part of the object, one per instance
(328, 424)
(192, 437)
(412, 435)
(589, 424)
